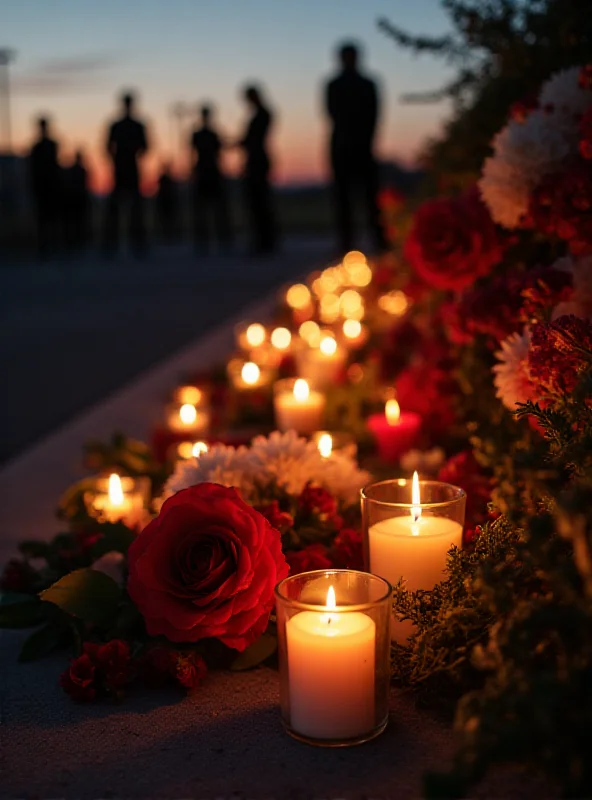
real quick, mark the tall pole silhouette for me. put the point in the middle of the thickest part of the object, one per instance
(6, 56)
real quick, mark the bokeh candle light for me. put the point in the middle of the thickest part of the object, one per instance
(322, 365)
(118, 499)
(297, 407)
(187, 418)
(394, 431)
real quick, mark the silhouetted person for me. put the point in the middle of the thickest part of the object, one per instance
(76, 203)
(352, 104)
(126, 144)
(167, 206)
(256, 175)
(210, 207)
(45, 186)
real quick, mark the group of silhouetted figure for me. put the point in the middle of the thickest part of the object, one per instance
(62, 197)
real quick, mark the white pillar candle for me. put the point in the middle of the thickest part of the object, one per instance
(331, 669)
(188, 418)
(413, 547)
(299, 409)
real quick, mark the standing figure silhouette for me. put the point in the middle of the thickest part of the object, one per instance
(167, 204)
(353, 106)
(126, 144)
(210, 205)
(45, 187)
(76, 204)
(258, 196)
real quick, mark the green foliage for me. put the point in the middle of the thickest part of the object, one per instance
(86, 594)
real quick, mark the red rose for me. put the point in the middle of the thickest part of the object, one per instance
(315, 556)
(79, 680)
(348, 549)
(206, 567)
(277, 518)
(453, 241)
(114, 664)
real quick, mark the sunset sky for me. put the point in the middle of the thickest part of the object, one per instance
(74, 56)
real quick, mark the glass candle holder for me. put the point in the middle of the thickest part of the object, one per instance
(409, 527)
(297, 407)
(188, 419)
(334, 656)
(116, 498)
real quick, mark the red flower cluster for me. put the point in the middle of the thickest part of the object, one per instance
(161, 665)
(556, 360)
(453, 242)
(562, 206)
(348, 549)
(585, 143)
(206, 567)
(101, 670)
(315, 556)
(278, 519)
(318, 502)
(463, 470)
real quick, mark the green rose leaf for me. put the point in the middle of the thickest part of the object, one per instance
(85, 593)
(256, 654)
(40, 643)
(21, 614)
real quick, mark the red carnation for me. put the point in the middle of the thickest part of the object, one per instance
(556, 359)
(206, 567)
(315, 556)
(318, 502)
(453, 241)
(277, 518)
(79, 680)
(348, 549)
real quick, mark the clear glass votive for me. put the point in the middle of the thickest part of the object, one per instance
(297, 407)
(334, 656)
(407, 537)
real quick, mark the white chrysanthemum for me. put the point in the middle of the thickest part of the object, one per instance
(228, 466)
(563, 93)
(291, 462)
(511, 374)
(284, 459)
(524, 152)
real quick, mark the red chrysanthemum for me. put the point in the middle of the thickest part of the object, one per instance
(453, 241)
(562, 206)
(557, 355)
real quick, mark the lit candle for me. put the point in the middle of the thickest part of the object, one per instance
(247, 375)
(334, 442)
(187, 418)
(395, 432)
(322, 365)
(414, 547)
(187, 450)
(297, 408)
(331, 672)
(117, 499)
(252, 336)
(354, 333)
(325, 444)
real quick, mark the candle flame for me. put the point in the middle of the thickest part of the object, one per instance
(250, 373)
(115, 490)
(301, 390)
(392, 411)
(331, 604)
(281, 338)
(255, 334)
(325, 445)
(187, 414)
(328, 346)
(415, 498)
(199, 448)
